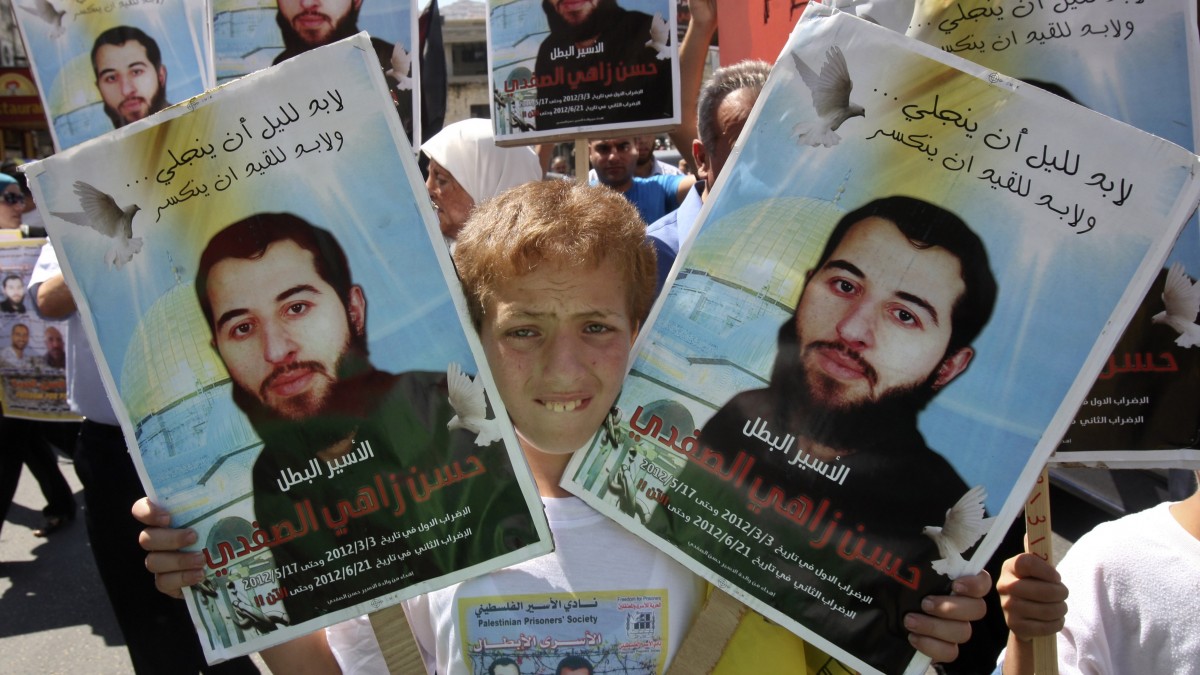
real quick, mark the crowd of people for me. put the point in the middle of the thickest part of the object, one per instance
(559, 277)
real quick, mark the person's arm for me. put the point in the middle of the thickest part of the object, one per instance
(54, 299)
(693, 52)
(1034, 601)
(944, 621)
(306, 655)
(175, 570)
(681, 189)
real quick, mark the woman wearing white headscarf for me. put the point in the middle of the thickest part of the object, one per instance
(466, 167)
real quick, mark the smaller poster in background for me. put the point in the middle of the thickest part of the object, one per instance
(252, 35)
(561, 70)
(101, 65)
(33, 355)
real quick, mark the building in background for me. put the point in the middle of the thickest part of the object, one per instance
(22, 118)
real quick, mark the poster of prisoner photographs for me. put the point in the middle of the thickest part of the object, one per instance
(280, 324)
(895, 302)
(249, 35)
(33, 355)
(1138, 62)
(560, 70)
(101, 65)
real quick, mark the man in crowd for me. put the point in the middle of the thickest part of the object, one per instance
(129, 73)
(290, 326)
(885, 321)
(724, 106)
(647, 165)
(1133, 586)
(14, 295)
(615, 159)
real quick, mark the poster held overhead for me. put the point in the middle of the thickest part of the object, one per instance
(560, 70)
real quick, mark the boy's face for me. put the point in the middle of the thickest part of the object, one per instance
(558, 341)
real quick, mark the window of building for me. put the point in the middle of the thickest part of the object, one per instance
(468, 58)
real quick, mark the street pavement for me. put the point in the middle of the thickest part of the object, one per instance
(54, 614)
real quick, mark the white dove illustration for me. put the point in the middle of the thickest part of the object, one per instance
(1181, 296)
(45, 11)
(469, 401)
(964, 526)
(659, 34)
(102, 214)
(401, 63)
(831, 98)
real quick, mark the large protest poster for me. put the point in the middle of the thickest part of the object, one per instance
(101, 65)
(567, 70)
(1139, 63)
(33, 354)
(833, 478)
(249, 35)
(282, 334)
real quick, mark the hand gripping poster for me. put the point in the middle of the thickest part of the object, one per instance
(561, 69)
(893, 305)
(250, 35)
(1138, 62)
(282, 336)
(33, 355)
(102, 64)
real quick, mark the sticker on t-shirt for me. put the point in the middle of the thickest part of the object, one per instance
(548, 633)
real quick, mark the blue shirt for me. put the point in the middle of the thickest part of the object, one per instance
(655, 196)
(668, 232)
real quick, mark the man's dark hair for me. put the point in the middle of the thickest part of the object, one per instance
(925, 226)
(502, 661)
(10, 277)
(119, 35)
(249, 238)
(749, 74)
(574, 662)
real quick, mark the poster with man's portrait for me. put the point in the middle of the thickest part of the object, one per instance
(884, 323)
(286, 346)
(563, 69)
(1142, 409)
(249, 35)
(33, 354)
(101, 66)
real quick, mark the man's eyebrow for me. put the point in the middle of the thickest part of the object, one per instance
(144, 64)
(238, 311)
(903, 295)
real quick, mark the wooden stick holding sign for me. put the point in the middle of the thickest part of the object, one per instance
(1037, 528)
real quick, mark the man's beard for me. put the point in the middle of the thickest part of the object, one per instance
(332, 420)
(587, 29)
(158, 102)
(294, 43)
(804, 401)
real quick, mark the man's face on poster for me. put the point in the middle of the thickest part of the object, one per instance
(20, 337)
(129, 83)
(316, 21)
(574, 12)
(281, 329)
(14, 290)
(55, 349)
(874, 320)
